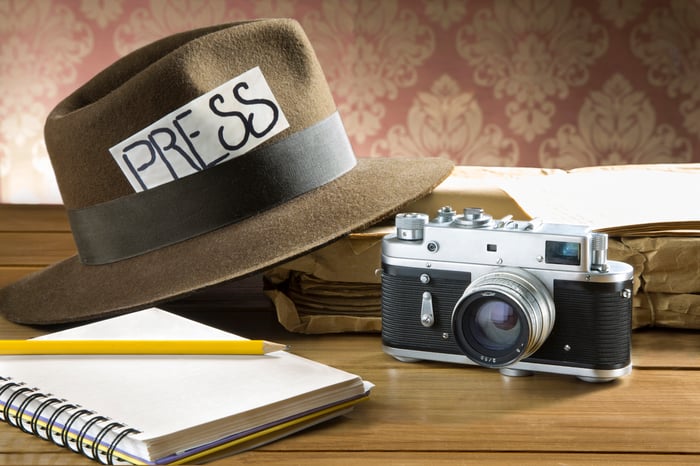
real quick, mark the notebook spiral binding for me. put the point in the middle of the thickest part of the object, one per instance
(61, 422)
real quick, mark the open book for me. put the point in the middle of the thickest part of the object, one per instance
(162, 408)
(635, 200)
(621, 200)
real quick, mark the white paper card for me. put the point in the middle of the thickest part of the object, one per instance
(216, 127)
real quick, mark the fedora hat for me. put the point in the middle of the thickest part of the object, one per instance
(203, 157)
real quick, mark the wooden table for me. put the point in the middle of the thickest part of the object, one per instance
(433, 413)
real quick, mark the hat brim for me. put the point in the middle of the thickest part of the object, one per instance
(70, 291)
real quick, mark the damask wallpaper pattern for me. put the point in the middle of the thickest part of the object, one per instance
(551, 83)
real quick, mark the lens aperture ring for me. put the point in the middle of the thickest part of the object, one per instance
(531, 303)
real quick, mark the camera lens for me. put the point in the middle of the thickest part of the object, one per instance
(496, 324)
(503, 317)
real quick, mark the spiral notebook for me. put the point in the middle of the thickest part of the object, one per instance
(160, 409)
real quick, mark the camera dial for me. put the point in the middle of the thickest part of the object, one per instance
(503, 317)
(474, 217)
(445, 216)
(409, 226)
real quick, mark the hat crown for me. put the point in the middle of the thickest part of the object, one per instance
(148, 84)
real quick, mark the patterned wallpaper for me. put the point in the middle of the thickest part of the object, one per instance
(552, 83)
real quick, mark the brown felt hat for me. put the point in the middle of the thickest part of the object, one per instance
(203, 157)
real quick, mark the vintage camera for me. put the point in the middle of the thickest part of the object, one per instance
(521, 296)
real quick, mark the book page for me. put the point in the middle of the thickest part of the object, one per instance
(614, 199)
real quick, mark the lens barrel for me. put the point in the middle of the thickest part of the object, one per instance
(502, 317)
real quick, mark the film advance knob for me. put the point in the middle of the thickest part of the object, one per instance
(409, 226)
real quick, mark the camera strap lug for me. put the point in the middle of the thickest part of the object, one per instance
(427, 317)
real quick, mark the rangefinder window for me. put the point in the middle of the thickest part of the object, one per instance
(562, 252)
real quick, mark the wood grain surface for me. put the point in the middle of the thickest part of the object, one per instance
(419, 413)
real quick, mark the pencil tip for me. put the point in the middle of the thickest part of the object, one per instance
(272, 347)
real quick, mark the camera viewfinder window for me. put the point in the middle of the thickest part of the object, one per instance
(561, 252)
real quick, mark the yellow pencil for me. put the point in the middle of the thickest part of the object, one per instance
(183, 347)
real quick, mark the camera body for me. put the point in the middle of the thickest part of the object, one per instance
(520, 296)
